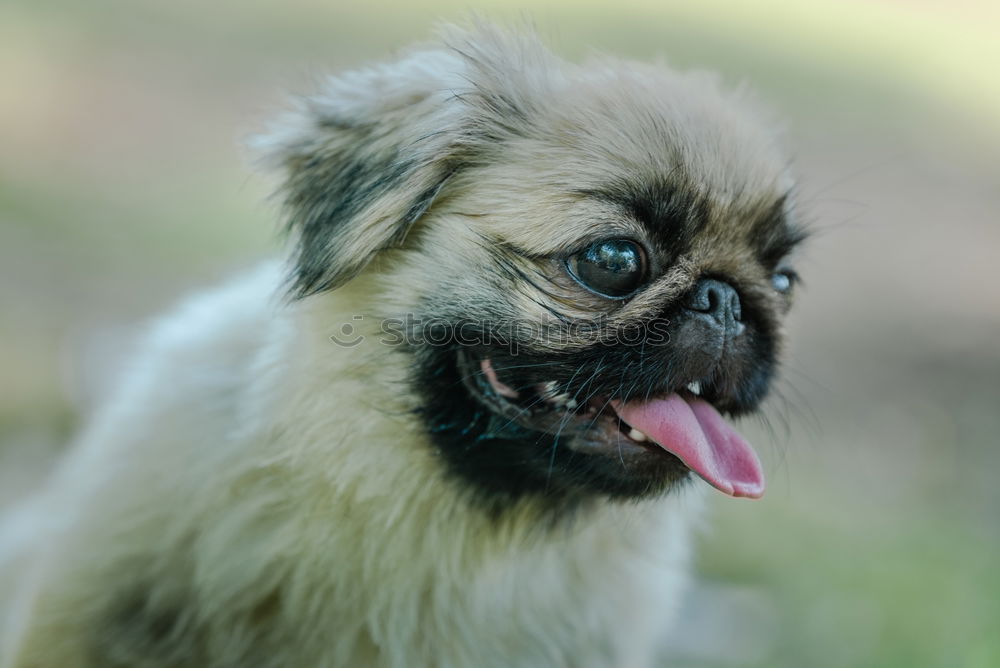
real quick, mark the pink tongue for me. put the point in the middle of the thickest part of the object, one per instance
(694, 431)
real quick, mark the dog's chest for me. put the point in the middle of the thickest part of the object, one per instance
(599, 596)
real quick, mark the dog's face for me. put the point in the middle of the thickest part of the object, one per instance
(594, 259)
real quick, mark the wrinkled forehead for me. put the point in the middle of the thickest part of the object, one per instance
(680, 128)
(670, 164)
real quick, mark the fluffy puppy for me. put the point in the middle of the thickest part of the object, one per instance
(469, 429)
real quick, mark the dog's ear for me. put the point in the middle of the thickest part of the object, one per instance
(369, 155)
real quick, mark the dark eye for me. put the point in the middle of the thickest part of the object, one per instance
(782, 281)
(613, 268)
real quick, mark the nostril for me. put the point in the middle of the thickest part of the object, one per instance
(701, 299)
(734, 306)
(717, 299)
(714, 300)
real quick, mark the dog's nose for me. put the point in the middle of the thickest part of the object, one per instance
(717, 303)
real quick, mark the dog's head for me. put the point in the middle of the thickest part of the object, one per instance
(593, 258)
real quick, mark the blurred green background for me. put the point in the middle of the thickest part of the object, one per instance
(123, 185)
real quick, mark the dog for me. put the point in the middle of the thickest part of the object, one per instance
(469, 421)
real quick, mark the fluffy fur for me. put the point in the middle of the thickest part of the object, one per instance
(257, 496)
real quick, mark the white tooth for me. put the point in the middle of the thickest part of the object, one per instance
(571, 403)
(561, 398)
(637, 435)
(695, 387)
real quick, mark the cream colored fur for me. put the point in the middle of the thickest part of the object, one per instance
(273, 485)
(256, 496)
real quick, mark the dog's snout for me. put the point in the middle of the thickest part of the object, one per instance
(718, 303)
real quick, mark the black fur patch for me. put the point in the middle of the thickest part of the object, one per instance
(141, 631)
(672, 213)
(504, 461)
(775, 234)
(325, 195)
